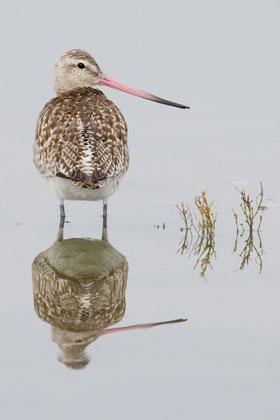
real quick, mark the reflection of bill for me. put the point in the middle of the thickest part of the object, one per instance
(79, 288)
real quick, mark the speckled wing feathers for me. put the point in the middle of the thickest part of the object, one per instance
(82, 136)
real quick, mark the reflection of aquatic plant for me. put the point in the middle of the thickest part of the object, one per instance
(252, 212)
(203, 227)
(187, 217)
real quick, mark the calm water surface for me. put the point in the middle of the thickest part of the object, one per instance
(224, 360)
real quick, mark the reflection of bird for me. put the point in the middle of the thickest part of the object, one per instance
(80, 146)
(79, 288)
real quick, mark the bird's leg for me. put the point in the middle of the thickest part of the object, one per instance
(104, 227)
(62, 215)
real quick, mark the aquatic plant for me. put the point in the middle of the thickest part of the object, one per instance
(200, 223)
(163, 226)
(252, 213)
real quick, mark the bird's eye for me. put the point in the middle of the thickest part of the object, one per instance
(81, 65)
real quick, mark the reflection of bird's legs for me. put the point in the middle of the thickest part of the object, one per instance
(104, 227)
(60, 234)
(62, 215)
(61, 224)
(105, 213)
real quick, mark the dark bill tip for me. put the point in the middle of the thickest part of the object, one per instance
(106, 80)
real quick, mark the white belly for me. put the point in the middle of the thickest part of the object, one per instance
(65, 189)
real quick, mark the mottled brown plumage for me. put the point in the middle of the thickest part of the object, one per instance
(81, 136)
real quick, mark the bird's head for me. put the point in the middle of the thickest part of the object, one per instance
(77, 68)
(74, 69)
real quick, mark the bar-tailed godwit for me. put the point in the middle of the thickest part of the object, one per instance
(80, 145)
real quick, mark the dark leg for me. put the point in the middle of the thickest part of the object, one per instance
(104, 227)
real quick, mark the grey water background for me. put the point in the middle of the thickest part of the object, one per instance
(220, 58)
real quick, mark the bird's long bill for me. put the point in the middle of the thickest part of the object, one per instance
(108, 81)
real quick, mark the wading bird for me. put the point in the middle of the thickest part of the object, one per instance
(80, 144)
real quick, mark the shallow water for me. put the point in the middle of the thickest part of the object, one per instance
(227, 351)
(223, 362)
